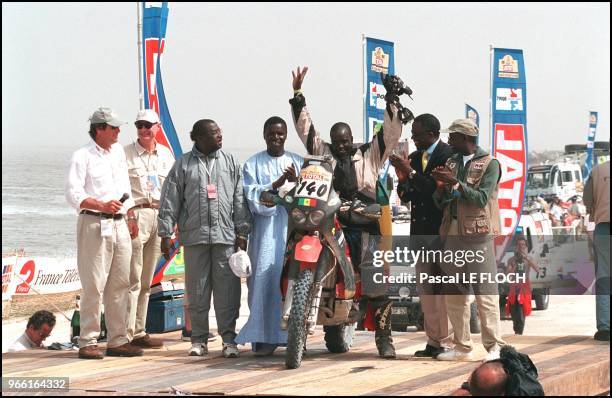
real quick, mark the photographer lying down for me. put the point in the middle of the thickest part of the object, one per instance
(513, 374)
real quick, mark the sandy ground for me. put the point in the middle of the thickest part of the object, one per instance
(566, 315)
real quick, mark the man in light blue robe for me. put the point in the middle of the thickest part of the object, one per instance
(267, 170)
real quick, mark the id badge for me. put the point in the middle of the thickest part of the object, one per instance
(211, 190)
(153, 186)
(106, 227)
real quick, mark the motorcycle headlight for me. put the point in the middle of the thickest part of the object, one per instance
(298, 216)
(316, 216)
(404, 292)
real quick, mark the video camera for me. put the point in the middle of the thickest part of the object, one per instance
(395, 88)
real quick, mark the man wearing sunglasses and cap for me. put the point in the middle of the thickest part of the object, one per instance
(148, 165)
(467, 193)
(98, 187)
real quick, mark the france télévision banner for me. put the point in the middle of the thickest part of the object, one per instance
(378, 58)
(588, 164)
(509, 138)
(38, 275)
(154, 24)
(22, 275)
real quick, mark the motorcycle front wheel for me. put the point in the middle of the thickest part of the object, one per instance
(296, 330)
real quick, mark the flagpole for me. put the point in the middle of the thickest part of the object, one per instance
(490, 97)
(363, 88)
(140, 57)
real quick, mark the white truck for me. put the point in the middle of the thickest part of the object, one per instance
(559, 179)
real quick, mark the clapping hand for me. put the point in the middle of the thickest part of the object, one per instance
(443, 175)
(402, 165)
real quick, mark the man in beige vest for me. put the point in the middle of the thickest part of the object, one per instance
(467, 192)
(597, 201)
(148, 165)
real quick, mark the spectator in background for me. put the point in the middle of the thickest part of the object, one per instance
(597, 201)
(39, 327)
(518, 304)
(556, 212)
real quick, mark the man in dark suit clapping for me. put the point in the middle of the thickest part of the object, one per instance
(417, 186)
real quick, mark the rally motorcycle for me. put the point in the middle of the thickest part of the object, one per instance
(318, 284)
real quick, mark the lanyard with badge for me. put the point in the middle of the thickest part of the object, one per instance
(211, 189)
(150, 182)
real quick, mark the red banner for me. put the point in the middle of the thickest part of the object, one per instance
(511, 152)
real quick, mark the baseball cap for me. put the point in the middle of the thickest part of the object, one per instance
(462, 126)
(148, 115)
(106, 115)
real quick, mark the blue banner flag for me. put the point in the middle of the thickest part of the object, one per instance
(509, 135)
(378, 57)
(471, 113)
(588, 164)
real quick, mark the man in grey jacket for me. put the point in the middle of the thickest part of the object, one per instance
(203, 194)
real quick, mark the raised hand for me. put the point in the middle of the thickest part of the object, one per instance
(298, 77)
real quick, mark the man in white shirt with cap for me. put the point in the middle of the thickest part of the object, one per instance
(148, 165)
(98, 187)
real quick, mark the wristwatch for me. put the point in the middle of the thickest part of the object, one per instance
(412, 173)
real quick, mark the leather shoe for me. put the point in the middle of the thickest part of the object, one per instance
(430, 352)
(125, 350)
(147, 342)
(90, 352)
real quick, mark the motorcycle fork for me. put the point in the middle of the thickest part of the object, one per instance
(325, 270)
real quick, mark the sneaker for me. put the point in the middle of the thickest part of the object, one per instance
(198, 350)
(185, 335)
(602, 335)
(230, 350)
(147, 342)
(492, 355)
(454, 355)
(125, 350)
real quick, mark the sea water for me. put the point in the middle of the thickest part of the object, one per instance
(35, 214)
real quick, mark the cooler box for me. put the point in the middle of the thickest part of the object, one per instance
(166, 312)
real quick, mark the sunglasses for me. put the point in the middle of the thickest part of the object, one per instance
(143, 124)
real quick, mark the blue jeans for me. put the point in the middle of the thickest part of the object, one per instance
(601, 244)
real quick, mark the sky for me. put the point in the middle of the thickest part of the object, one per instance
(232, 63)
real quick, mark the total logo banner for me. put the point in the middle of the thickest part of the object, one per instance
(377, 95)
(509, 99)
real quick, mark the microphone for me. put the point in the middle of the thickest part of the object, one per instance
(124, 197)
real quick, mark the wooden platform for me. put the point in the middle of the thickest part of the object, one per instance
(571, 365)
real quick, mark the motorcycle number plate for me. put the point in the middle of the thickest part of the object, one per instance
(314, 183)
(399, 311)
